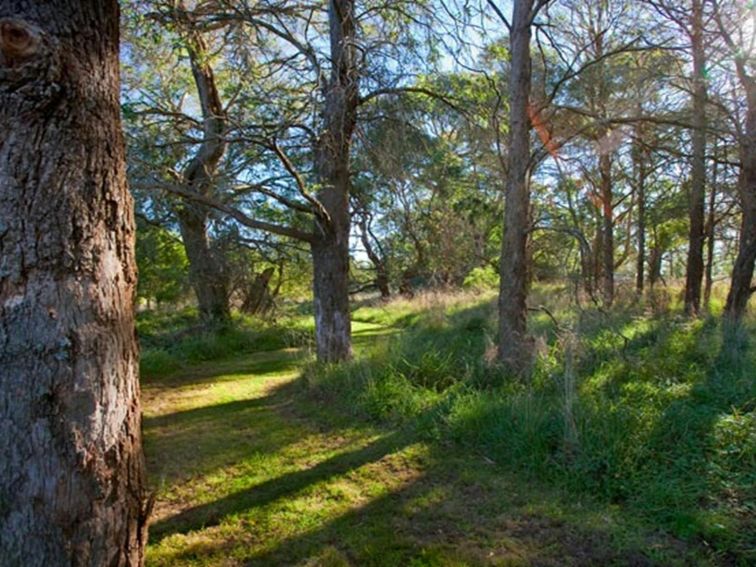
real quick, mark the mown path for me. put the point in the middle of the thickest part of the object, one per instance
(247, 472)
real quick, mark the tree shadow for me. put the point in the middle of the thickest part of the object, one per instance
(255, 365)
(684, 405)
(287, 485)
(200, 440)
(446, 516)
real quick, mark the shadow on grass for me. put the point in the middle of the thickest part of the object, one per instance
(205, 439)
(284, 486)
(255, 365)
(451, 514)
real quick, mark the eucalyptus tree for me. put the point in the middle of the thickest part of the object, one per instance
(514, 348)
(71, 467)
(325, 63)
(179, 127)
(688, 18)
(735, 23)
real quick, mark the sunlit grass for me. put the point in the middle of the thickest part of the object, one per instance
(422, 453)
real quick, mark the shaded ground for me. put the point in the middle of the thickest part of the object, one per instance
(248, 472)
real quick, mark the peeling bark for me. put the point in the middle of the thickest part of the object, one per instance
(71, 466)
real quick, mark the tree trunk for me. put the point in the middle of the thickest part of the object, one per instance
(330, 248)
(514, 346)
(655, 266)
(205, 273)
(258, 298)
(640, 156)
(333, 328)
(607, 229)
(695, 265)
(711, 223)
(742, 273)
(71, 466)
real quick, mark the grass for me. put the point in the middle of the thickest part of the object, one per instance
(421, 452)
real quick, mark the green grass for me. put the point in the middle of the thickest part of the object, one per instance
(420, 452)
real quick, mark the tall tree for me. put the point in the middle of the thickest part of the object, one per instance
(695, 265)
(330, 247)
(71, 467)
(739, 50)
(205, 271)
(514, 346)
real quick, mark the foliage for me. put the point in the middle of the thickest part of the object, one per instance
(162, 264)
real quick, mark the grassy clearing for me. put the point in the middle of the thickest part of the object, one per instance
(448, 462)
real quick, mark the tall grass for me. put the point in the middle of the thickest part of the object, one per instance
(639, 407)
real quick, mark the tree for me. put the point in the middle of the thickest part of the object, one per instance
(738, 49)
(71, 466)
(207, 278)
(160, 98)
(514, 346)
(689, 18)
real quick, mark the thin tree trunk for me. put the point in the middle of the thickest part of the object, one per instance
(376, 258)
(607, 229)
(330, 249)
(514, 347)
(258, 297)
(640, 156)
(710, 242)
(742, 273)
(71, 466)
(695, 264)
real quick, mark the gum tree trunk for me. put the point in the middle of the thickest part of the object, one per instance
(514, 348)
(71, 467)
(607, 229)
(205, 273)
(330, 247)
(375, 255)
(640, 155)
(695, 265)
(205, 270)
(741, 287)
(711, 223)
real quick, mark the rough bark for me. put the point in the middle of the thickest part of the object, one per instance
(71, 467)
(330, 248)
(514, 347)
(205, 272)
(741, 287)
(695, 264)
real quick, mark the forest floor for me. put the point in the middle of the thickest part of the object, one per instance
(248, 471)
